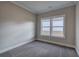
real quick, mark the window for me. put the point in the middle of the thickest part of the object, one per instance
(53, 26)
(58, 26)
(45, 27)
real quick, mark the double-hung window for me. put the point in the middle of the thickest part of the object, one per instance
(45, 27)
(58, 26)
(53, 26)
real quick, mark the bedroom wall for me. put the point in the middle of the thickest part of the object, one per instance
(77, 28)
(69, 13)
(17, 26)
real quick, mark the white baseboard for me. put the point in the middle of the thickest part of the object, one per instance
(77, 51)
(67, 45)
(12, 47)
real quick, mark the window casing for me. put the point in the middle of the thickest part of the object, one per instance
(53, 26)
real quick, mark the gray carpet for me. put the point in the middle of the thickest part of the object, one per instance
(40, 49)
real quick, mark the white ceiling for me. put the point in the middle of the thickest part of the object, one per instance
(38, 7)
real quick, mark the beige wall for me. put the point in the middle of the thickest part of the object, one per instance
(77, 28)
(69, 25)
(17, 25)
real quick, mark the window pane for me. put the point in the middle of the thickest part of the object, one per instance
(58, 18)
(45, 33)
(45, 22)
(58, 21)
(57, 29)
(57, 34)
(45, 29)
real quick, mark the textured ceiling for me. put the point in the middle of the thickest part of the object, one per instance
(38, 7)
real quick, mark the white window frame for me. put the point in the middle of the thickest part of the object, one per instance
(58, 26)
(55, 26)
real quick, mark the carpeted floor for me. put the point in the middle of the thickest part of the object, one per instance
(40, 49)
